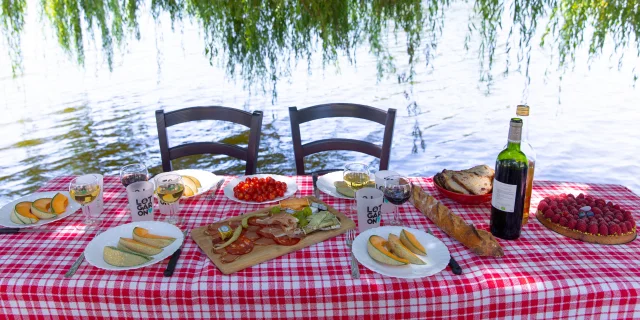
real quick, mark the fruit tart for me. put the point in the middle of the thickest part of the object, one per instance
(587, 218)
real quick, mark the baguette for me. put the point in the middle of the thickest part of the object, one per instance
(480, 242)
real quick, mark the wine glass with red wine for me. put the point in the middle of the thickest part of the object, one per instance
(397, 190)
(133, 173)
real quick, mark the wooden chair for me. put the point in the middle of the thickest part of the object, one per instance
(248, 154)
(341, 110)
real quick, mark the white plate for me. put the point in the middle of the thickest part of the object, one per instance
(93, 251)
(325, 184)
(207, 179)
(7, 209)
(292, 187)
(437, 254)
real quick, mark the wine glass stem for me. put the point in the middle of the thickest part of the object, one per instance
(396, 215)
(172, 213)
(86, 211)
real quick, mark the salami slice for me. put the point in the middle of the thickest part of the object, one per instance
(252, 235)
(264, 242)
(286, 241)
(253, 228)
(234, 224)
(241, 246)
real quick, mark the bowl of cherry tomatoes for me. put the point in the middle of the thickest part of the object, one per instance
(260, 188)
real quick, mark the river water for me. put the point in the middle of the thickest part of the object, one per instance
(62, 119)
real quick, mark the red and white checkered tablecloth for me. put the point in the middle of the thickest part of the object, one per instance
(543, 274)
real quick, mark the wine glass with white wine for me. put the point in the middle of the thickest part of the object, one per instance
(84, 190)
(169, 189)
(356, 176)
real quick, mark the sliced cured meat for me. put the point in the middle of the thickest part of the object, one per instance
(212, 229)
(264, 242)
(287, 221)
(286, 241)
(252, 235)
(252, 221)
(271, 232)
(234, 224)
(218, 251)
(227, 258)
(242, 245)
(253, 228)
(215, 239)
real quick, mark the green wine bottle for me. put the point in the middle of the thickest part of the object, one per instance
(509, 186)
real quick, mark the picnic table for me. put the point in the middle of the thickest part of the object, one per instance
(542, 275)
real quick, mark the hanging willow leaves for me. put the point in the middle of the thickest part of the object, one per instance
(260, 40)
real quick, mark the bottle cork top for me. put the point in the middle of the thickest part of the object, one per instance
(522, 110)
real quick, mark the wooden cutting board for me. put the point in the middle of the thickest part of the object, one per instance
(261, 254)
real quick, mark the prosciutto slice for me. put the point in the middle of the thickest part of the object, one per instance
(284, 220)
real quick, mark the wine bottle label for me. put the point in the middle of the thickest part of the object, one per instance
(504, 196)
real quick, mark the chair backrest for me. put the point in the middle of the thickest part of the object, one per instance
(333, 110)
(248, 154)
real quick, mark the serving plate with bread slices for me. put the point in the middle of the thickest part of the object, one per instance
(470, 186)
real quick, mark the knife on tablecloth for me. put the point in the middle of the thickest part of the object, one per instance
(453, 264)
(174, 257)
(316, 192)
(23, 230)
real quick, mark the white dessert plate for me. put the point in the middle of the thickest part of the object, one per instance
(325, 184)
(207, 179)
(7, 209)
(93, 253)
(437, 257)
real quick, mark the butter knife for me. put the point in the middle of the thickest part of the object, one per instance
(21, 230)
(174, 257)
(316, 192)
(453, 264)
(78, 262)
(212, 194)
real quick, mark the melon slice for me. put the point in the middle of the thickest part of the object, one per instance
(188, 191)
(143, 235)
(59, 203)
(138, 247)
(121, 258)
(22, 214)
(194, 180)
(378, 252)
(401, 251)
(410, 241)
(190, 186)
(41, 208)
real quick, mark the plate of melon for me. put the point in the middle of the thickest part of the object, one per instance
(133, 245)
(37, 209)
(401, 252)
(196, 182)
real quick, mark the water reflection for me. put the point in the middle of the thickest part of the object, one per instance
(262, 40)
(445, 117)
